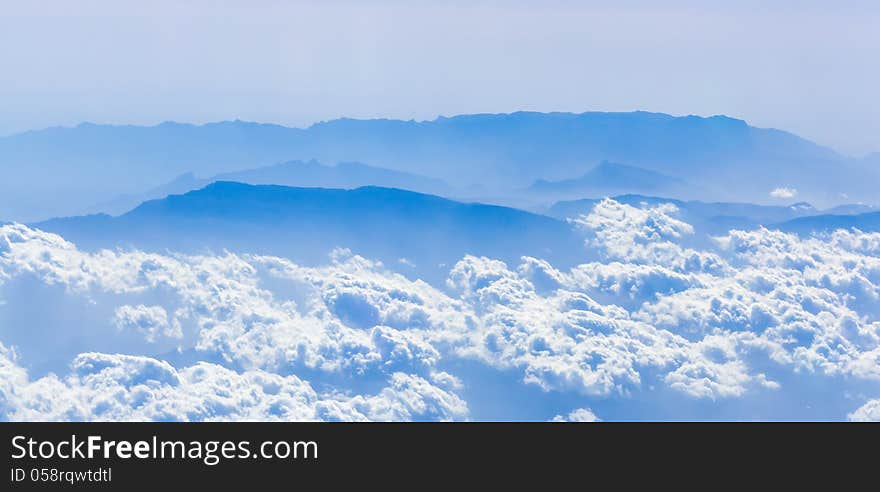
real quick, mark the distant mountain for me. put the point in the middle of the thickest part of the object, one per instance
(124, 203)
(55, 171)
(307, 223)
(711, 218)
(609, 179)
(851, 209)
(869, 222)
(345, 175)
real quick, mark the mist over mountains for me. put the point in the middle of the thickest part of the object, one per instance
(62, 171)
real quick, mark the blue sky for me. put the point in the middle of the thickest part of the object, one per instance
(808, 67)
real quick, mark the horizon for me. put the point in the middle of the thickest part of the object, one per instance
(303, 62)
(426, 120)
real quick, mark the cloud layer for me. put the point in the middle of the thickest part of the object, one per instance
(757, 324)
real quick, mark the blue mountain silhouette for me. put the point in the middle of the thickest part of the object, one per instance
(305, 224)
(58, 170)
(345, 175)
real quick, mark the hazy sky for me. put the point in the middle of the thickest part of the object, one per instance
(805, 66)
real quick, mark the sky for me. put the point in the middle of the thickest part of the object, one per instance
(808, 67)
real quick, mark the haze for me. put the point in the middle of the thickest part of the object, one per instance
(800, 66)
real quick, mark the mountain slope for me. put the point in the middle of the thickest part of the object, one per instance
(307, 223)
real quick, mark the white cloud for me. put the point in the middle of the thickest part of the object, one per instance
(753, 313)
(150, 321)
(869, 412)
(783, 192)
(578, 415)
(124, 387)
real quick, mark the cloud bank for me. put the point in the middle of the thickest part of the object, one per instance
(756, 324)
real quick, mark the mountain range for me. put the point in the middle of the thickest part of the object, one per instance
(60, 171)
(312, 174)
(424, 233)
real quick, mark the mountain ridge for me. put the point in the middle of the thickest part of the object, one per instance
(61, 170)
(305, 224)
(343, 175)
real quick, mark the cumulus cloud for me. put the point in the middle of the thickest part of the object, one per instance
(783, 192)
(125, 387)
(578, 415)
(651, 317)
(869, 412)
(150, 321)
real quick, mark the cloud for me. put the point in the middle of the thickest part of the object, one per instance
(578, 415)
(150, 321)
(648, 318)
(783, 192)
(869, 412)
(125, 387)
